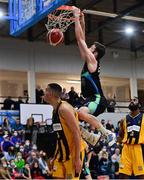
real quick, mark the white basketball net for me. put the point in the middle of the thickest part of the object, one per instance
(60, 19)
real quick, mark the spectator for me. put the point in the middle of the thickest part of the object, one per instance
(48, 136)
(22, 150)
(6, 133)
(1, 134)
(17, 103)
(34, 148)
(103, 123)
(39, 95)
(1, 153)
(29, 129)
(111, 104)
(25, 93)
(114, 169)
(44, 166)
(117, 128)
(112, 150)
(104, 149)
(81, 101)
(19, 162)
(36, 171)
(35, 130)
(15, 138)
(64, 95)
(26, 173)
(109, 125)
(73, 97)
(27, 147)
(116, 155)
(8, 102)
(103, 163)
(6, 125)
(4, 171)
(94, 165)
(18, 126)
(11, 154)
(32, 158)
(14, 172)
(17, 147)
(6, 143)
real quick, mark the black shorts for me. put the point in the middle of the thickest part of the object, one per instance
(96, 105)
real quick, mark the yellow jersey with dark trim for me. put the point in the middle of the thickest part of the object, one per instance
(64, 147)
(133, 129)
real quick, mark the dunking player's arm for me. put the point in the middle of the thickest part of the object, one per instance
(67, 113)
(82, 22)
(85, 52)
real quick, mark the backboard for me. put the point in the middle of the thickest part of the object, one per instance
(25, 13)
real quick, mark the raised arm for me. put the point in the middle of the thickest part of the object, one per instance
(79, 24)
(85, 52)
(82, 22)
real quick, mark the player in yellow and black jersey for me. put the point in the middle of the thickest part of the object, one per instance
(132, 135)
(70, 148)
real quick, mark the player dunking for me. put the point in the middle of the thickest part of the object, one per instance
(90, 81)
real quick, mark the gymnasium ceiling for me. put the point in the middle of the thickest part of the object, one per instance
(104, 29)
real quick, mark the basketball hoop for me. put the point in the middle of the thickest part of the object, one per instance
(61, 18)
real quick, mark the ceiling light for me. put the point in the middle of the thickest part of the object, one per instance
(1, 14)
(129, 30)
(73, 82)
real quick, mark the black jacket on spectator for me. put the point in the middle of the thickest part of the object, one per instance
(109, 126)
(73, 98)
(39, 94)
(111, 105)
(46, 139)
(8, 104)
(103, 166)
(28, 132)
(17, 104)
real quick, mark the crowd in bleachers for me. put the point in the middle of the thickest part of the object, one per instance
(25, 151)
(72, 97)
(105, 163)
(19, 155)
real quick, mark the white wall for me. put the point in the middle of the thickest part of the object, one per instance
(17, 55)
(114, 117)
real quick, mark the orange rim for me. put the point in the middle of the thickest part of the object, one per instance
(51, 16)
(64, 7)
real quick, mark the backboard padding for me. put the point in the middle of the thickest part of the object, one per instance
(25, 13)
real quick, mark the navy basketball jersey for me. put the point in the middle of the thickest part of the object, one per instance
(90, 82)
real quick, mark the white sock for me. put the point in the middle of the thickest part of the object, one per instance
(103, 130)
(91, 138)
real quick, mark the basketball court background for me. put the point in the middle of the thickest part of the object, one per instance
(106, 25)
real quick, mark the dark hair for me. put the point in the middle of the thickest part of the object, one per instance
(5, 122)
(100, 48)
(56, 89)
